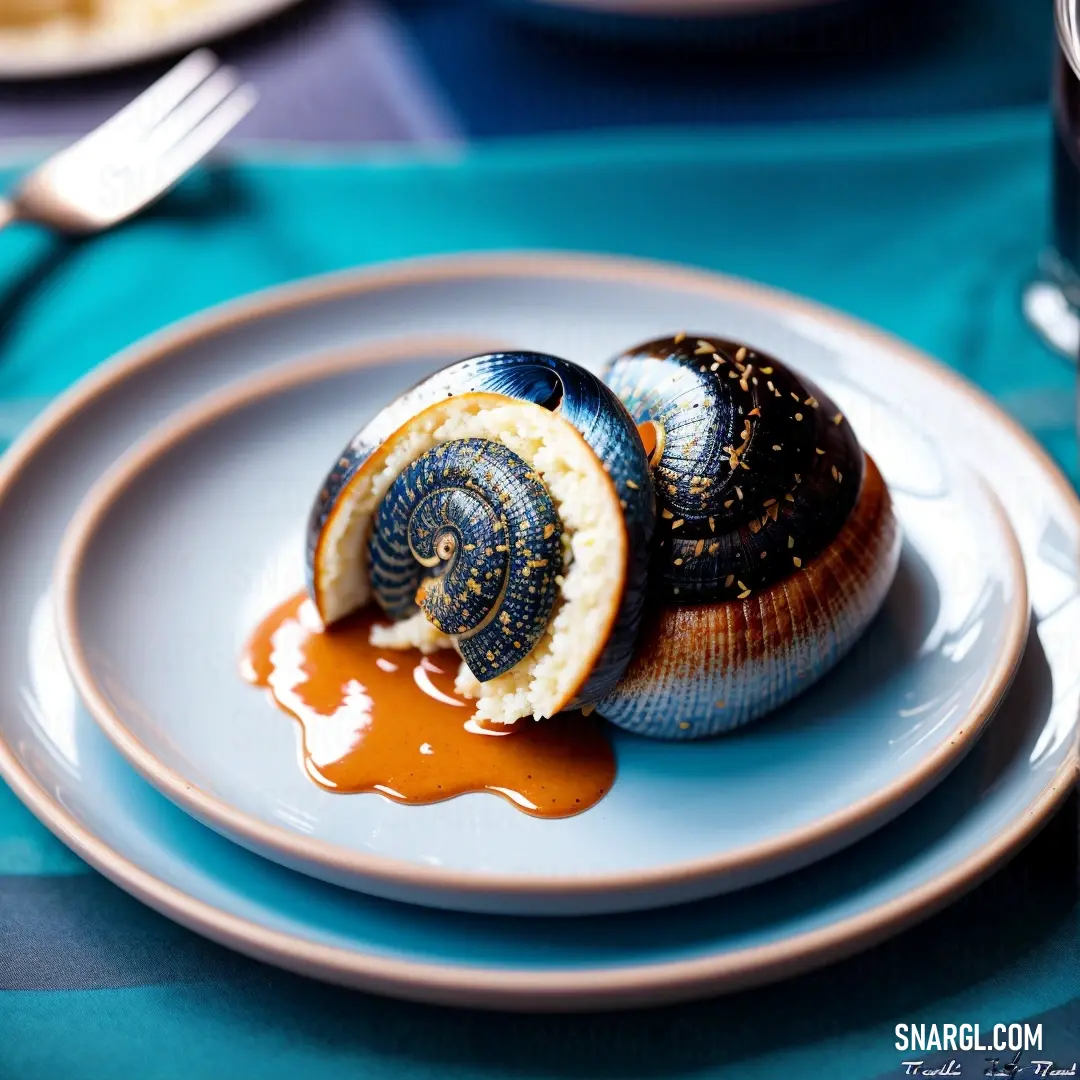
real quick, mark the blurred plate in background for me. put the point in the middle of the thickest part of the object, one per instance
(55, 38)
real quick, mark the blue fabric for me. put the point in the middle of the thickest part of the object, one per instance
(510, 67)
(927, 229)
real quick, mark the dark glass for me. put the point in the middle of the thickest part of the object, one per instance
(1065, 222)
(1052, 300)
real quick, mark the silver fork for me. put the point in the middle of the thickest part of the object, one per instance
(138, 154)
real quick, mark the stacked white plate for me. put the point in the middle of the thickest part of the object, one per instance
(156, 512)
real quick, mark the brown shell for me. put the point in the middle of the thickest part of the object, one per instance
(703, 669)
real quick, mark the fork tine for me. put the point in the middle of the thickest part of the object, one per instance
(154, 104)
(191, 112)
(191, 147)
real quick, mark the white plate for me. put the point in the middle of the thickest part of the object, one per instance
(196, 534)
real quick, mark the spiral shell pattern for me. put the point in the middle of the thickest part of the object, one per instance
(417, 537)
(470, 534)
(776, 543)
(755, 469)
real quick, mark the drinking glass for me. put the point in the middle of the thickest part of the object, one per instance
(1052, 300)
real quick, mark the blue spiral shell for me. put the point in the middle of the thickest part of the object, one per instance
(581, 399)
(755, 469)
(470, 528)
(776, 542)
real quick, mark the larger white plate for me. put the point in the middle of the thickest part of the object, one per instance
(60, 764)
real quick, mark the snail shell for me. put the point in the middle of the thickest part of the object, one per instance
(775, 545)
(504, 505)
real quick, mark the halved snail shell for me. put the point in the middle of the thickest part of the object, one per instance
(504, 505)
(776, 542)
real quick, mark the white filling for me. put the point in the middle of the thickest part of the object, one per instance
(594, 544)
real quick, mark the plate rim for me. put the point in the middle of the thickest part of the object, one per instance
(794, 847)
(500, 988)
(89, 56)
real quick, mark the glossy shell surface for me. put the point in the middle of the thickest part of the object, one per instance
(584, 402)
(776, 542)
(700, 670)
(755, 468)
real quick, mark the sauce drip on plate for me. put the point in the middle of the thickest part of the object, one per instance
(377, 720)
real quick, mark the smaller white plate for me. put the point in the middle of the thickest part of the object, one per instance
(192, 537)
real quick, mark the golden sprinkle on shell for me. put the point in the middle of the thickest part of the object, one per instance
(797, 561)
(798, 416)
(838, 418)
(744, 594)
(629, 483)
(729, 581)
(741, 353)
(684, 725)
(678, 523)
(666, 513)
(790, 542)
(680, 337)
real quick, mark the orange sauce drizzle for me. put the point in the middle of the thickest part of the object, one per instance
(378, 720)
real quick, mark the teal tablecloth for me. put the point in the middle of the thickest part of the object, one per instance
(928, 230)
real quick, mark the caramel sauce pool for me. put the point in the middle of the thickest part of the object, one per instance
(378, 720)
